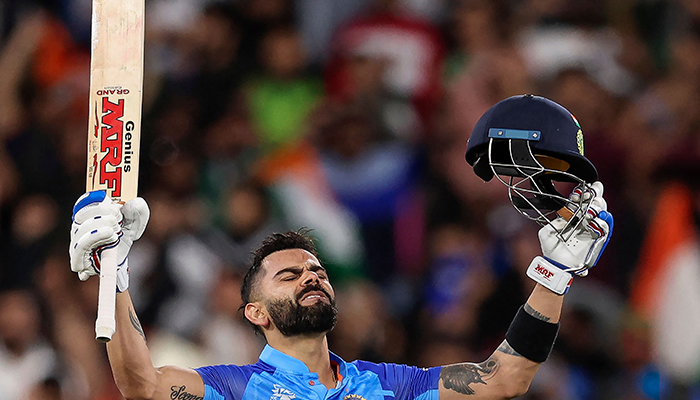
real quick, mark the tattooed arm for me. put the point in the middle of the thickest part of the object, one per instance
(133, 371)
(506, 374)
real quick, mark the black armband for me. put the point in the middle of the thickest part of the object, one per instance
(531, 337)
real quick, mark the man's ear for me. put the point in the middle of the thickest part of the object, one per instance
(256, 314)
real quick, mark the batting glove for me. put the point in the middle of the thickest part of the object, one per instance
(99, 224)
(573, 248)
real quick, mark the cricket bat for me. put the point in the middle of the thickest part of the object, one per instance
(114, 126)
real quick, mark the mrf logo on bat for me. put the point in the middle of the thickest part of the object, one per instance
(113, 137)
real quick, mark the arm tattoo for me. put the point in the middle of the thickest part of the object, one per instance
(536, 313)
(458, 377)
(506, 348)
(179, 393)
(136, 324)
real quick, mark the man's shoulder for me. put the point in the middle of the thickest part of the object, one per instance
(384, 368)
(404, 381)
(231, 371)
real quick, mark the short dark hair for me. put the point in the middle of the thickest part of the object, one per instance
(271, 244)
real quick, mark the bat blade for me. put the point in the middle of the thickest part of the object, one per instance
(114, 125)
(116, 86)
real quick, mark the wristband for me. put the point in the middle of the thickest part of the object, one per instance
(549, 275)
(531, 337)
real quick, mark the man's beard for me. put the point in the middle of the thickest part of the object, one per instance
(291, 318)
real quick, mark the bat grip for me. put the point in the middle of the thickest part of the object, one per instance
(105, 324)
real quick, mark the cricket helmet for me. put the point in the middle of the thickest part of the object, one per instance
(529, 142)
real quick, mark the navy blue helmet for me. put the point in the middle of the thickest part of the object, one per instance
(529, 142)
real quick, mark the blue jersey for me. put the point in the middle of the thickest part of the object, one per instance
(277, 376)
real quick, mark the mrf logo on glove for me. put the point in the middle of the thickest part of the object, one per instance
(544, 272)
(547, 274)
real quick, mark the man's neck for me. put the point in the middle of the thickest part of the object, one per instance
(312, 351)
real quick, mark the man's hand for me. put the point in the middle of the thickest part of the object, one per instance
(573, 247)
(99, 224)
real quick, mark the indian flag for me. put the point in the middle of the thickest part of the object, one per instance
(666, 289)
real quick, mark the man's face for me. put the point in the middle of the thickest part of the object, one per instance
(297, 294)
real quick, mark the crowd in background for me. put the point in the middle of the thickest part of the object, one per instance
(349, 117)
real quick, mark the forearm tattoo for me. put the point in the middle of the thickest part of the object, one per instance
(506, 348)
(459, 377)
(136, 324)
(179, 393)
(536, 313)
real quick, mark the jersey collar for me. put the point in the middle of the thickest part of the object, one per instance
(286, 362)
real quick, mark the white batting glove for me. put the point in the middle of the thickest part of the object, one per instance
(583, 246)
(98, 223)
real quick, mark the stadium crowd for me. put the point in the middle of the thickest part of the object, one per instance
(349, 117)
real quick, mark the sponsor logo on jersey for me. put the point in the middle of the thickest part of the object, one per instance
(280, 393)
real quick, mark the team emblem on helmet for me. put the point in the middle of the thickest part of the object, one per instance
(579, 141)
(579, 135)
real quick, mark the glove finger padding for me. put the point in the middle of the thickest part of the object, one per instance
(86, 228)
(93, 204)
(573, 247)
(601, 227)
(96, 225)
(81, 254)
(587, 192)
(136, 215)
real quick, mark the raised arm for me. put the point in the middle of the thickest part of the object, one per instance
(506, 373)
(131, 364)
(99, 223)
(567, 249)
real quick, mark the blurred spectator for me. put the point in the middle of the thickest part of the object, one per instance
(411, 51)
(202, 68)
(247, 219)
(573, 34)
(365, 329)
(375, 178)
(224, 325)
(176, 270)
(84, 372)
(259, 17)
(318, 21)
(280, 99)
(32, 233)
(485, 67)
(229, 152)
(458, 282)
(26, 358)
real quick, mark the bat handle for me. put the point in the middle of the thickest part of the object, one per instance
(105, 324)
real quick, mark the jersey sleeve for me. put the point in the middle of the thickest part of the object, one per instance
(224, 382)
(407, 382)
